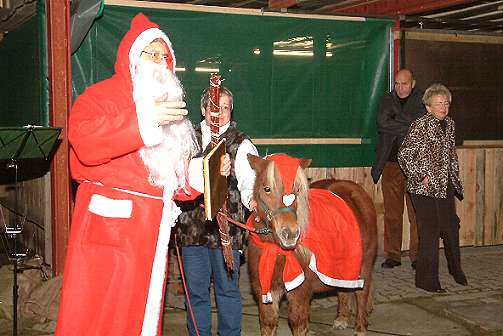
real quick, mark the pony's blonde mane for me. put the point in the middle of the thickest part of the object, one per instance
(301, 189)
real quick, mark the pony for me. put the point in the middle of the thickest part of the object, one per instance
(282, 216)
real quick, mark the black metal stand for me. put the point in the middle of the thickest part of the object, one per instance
(14, 256)
(20, 143)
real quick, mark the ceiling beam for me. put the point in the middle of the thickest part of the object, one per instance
(393, 7)
(278, 4)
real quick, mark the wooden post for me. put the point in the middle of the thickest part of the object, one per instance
(59, 73)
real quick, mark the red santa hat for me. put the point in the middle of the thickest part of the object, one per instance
(141, 33)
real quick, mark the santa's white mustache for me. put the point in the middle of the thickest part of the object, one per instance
(158, 82)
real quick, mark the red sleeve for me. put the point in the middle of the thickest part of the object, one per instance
(103, 129)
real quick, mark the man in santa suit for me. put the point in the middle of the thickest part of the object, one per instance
(131, 150)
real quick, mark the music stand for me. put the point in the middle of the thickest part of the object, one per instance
(18, 144)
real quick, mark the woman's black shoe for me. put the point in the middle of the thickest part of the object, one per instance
(436, 290)
(461, 279)
(390, 263)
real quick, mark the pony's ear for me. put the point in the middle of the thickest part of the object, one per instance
(257, 163)
(304, 163)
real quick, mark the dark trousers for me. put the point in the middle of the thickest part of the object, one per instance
(394, 191)
(436, 218)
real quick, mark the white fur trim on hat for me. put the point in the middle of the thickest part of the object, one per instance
(143, 40)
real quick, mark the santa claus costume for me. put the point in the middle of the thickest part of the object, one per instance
(114, 276)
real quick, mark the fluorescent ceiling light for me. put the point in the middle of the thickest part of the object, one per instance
(279, 52)
(203, 69)
(302, 53)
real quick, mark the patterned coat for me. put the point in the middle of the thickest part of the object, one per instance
(192, 229)
(428, 151)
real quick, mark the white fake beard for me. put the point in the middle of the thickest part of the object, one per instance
(166, 162)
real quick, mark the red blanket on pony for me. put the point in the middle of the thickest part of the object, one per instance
(333, 237)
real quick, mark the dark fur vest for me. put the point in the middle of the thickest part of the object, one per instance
(192, 229)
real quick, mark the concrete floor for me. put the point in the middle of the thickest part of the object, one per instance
(399, 308)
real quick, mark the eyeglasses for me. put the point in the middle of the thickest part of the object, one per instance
(156, 56)
(439, 105)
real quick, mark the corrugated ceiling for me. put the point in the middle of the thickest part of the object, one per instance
(460, 15)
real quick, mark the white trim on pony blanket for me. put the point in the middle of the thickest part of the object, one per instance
(155, 292)
(289, 285)
(331, 281)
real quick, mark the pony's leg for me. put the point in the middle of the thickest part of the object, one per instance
(299, 307)
(364, 304)
(362, 323)
(344, 309)
(268, 317)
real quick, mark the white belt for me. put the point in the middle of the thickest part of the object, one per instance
(136, 193)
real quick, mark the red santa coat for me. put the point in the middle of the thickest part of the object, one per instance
(114, 276)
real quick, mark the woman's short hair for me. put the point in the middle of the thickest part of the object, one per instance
(436, 90)
(205, 97)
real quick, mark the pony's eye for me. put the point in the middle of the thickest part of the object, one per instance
(267, 189)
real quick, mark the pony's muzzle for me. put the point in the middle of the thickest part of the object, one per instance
(288, 238)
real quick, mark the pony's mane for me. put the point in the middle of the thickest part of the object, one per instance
(301, 188)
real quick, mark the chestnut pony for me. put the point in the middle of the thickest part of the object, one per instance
(286, 218)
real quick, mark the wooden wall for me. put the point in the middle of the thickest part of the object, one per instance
(481, 211)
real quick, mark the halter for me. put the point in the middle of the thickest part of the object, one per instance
(270, 214)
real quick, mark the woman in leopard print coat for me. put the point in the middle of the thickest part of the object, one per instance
(428, 159)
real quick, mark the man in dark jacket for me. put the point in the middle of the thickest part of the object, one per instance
(397, 111)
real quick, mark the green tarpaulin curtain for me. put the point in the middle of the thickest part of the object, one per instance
(292, 77)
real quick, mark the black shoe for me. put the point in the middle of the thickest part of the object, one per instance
(390, 263)
(413, 265)
(434, 290)
(461, 279)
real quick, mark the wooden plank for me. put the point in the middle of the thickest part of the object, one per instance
(466, 208)
(390, 7)
(489, 206)
(454, 37)
(226, 10)
(60, 99)
(498, 196)
(483, 143)
(307, 141)
(316, 174)
(479, 196)
(278, 4)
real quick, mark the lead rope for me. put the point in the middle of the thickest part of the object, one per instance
(264, 230)
(182, 273)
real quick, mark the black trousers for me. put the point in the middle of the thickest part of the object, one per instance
(436, 218)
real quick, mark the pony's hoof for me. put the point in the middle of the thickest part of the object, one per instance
(340, 324)
(360, 333)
